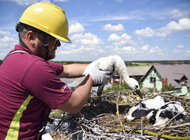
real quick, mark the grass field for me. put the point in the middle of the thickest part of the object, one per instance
(133, 63)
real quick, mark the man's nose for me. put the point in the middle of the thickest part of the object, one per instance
(57, 43)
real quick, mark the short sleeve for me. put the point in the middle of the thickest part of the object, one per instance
(42, 82)
(58, 68)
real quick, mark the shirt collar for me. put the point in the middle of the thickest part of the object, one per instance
(20, 47)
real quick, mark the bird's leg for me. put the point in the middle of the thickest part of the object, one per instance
(100, 89)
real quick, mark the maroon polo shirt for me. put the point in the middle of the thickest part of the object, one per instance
(28, 86)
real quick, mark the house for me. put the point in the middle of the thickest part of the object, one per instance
(136, 72)
(177, 75)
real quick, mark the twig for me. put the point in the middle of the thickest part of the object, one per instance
(142, 125)
(74, 134)
(176, 126)
(117, 107)
(160, 132)
(154, 134)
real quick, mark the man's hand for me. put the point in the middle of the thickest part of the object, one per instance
(99, 77)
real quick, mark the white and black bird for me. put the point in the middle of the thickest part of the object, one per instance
(157, 111)
(171, 110)
(115, 64)
(143, 108)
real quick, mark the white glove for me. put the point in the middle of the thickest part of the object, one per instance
(99, 77)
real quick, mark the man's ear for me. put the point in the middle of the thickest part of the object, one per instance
(31, 36)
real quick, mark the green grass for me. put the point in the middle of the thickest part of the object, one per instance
(117, 87)
(132, 63)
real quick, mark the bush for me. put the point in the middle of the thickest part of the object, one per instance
(169, 87)
(118, 87)
(151, 90)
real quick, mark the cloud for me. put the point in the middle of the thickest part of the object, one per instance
(144, 53)
(147, 32)
(28, 2)
(188, 52)
(87, 39)
(122, 40)
(75, 52)
(114, 37)
(113, 28)
(120, 1)
(116, 18)
(145, 47)
(177, 51)
(128, 50)
(178, 14)
(76, 28)
(4, 33)
(182, 25)
(181, 53)
(155, 50)
(60, 0)
(6, 44)
(83, 47)
(180, 46)
(147, 50)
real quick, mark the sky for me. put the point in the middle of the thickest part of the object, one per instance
(133, 29)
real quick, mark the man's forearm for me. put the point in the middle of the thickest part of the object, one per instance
(73, 70)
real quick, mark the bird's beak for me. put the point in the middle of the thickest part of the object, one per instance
(139, 93)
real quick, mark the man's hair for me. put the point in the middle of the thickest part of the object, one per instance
(22, 28)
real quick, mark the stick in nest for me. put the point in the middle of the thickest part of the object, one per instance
(117, 112)
(161, 130)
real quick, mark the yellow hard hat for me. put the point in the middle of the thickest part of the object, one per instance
(48, 18)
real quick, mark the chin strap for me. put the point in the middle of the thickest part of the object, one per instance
(46, 46)
(23, 44)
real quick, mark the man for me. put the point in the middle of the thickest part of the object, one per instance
(29, 83)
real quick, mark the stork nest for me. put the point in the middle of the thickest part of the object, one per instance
(103, 118)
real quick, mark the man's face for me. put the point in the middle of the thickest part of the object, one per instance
(53, 43)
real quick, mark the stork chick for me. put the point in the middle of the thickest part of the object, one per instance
(157, 111)
(115, 64)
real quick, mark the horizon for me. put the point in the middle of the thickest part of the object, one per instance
(140, 61)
